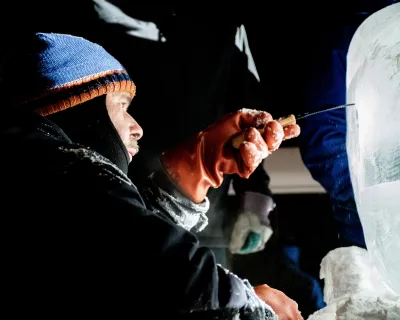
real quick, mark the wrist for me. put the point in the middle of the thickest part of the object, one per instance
(186, 168)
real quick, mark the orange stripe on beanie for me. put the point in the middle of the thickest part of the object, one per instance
(63, 71)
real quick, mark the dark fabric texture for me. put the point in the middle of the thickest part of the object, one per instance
(323, 138)
(78, 239)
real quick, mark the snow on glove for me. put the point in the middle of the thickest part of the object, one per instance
(202, 161)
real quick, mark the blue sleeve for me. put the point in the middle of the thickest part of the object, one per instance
(323, 136)
(323, 144)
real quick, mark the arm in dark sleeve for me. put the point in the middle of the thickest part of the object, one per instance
(257, 182)
(173, 275)
(255, 192)
(323, 144)
(323, 136)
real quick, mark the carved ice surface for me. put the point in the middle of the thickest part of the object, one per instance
(373, 136)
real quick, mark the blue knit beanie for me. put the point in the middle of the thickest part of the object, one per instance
(52, 72)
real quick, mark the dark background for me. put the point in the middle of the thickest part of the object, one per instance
(287, 39)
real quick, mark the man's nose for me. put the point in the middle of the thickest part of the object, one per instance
(136, 130)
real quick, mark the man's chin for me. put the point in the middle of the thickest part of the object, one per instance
(132, 152)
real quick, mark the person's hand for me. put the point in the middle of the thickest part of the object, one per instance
(283, 306)
(201, 162)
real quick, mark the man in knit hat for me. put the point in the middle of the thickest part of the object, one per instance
(79, 237)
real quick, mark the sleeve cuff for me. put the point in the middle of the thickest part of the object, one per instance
(185, 212)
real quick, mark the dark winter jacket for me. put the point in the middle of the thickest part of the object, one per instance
(190, 67)
(80, 240)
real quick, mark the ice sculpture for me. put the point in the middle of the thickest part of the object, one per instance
(354, 289)
(373, 136)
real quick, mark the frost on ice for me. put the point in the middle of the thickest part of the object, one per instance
(354, 289)
(373, 137)
(362, 284)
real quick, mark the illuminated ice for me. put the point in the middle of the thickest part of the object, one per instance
(373, 136)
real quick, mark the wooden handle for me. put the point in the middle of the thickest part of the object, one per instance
(286, 121)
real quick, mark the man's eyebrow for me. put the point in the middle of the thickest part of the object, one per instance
(127, 99)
